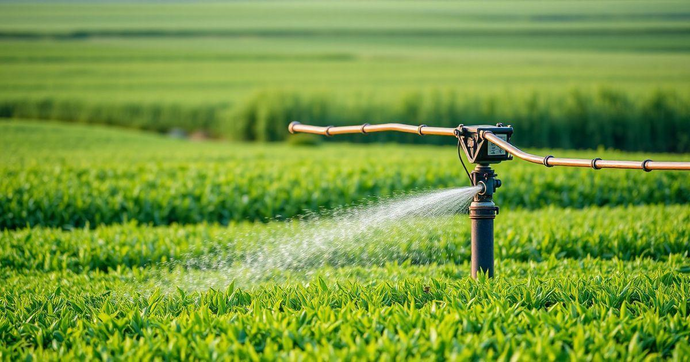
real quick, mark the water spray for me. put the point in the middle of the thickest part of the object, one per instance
(485, 145)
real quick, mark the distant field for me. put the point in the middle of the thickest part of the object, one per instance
(200, 53)
(201, 66)
(195, 71)
(315, 15)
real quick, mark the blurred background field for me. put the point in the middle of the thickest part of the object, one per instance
(609, 73)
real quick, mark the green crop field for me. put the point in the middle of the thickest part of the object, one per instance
(233, 69)
(54, 179)
(153, 205)
(108, 233)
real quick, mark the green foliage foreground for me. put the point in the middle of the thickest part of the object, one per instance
(591, 284)
(555, 310)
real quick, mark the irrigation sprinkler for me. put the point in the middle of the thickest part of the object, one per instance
(485, 145)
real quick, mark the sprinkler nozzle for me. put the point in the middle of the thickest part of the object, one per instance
(483, 186)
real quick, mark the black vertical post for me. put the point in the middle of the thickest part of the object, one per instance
(482, 213)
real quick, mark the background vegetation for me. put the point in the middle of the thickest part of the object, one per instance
(567, 75)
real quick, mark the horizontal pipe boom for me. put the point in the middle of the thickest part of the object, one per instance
(549, 161)
(421, 130)
(597, 163)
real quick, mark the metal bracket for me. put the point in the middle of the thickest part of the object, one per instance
(478, 149)
(472, 144)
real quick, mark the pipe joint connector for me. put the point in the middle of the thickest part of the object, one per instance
(644, 165)
(483, 210)
(594, 163)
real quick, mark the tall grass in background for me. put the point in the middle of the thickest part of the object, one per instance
(655, 121)
(158, 117)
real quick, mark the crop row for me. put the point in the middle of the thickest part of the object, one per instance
(160, 194)
(578, 119)
(559, 309)
(624, 233)
(70, 176)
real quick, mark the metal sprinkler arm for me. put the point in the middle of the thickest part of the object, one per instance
(549, 161)
(596, 163)
(422, 130)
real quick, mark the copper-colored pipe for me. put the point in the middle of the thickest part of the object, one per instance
(596, 163)
(421, 130)
(548, 161)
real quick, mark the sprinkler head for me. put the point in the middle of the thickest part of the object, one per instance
(478, 149)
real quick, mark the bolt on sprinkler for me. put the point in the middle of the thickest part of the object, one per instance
(486, 145)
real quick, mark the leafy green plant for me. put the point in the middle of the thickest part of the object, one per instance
(560, 309)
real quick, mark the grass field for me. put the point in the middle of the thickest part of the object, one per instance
(588, 282)
(204, 66)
